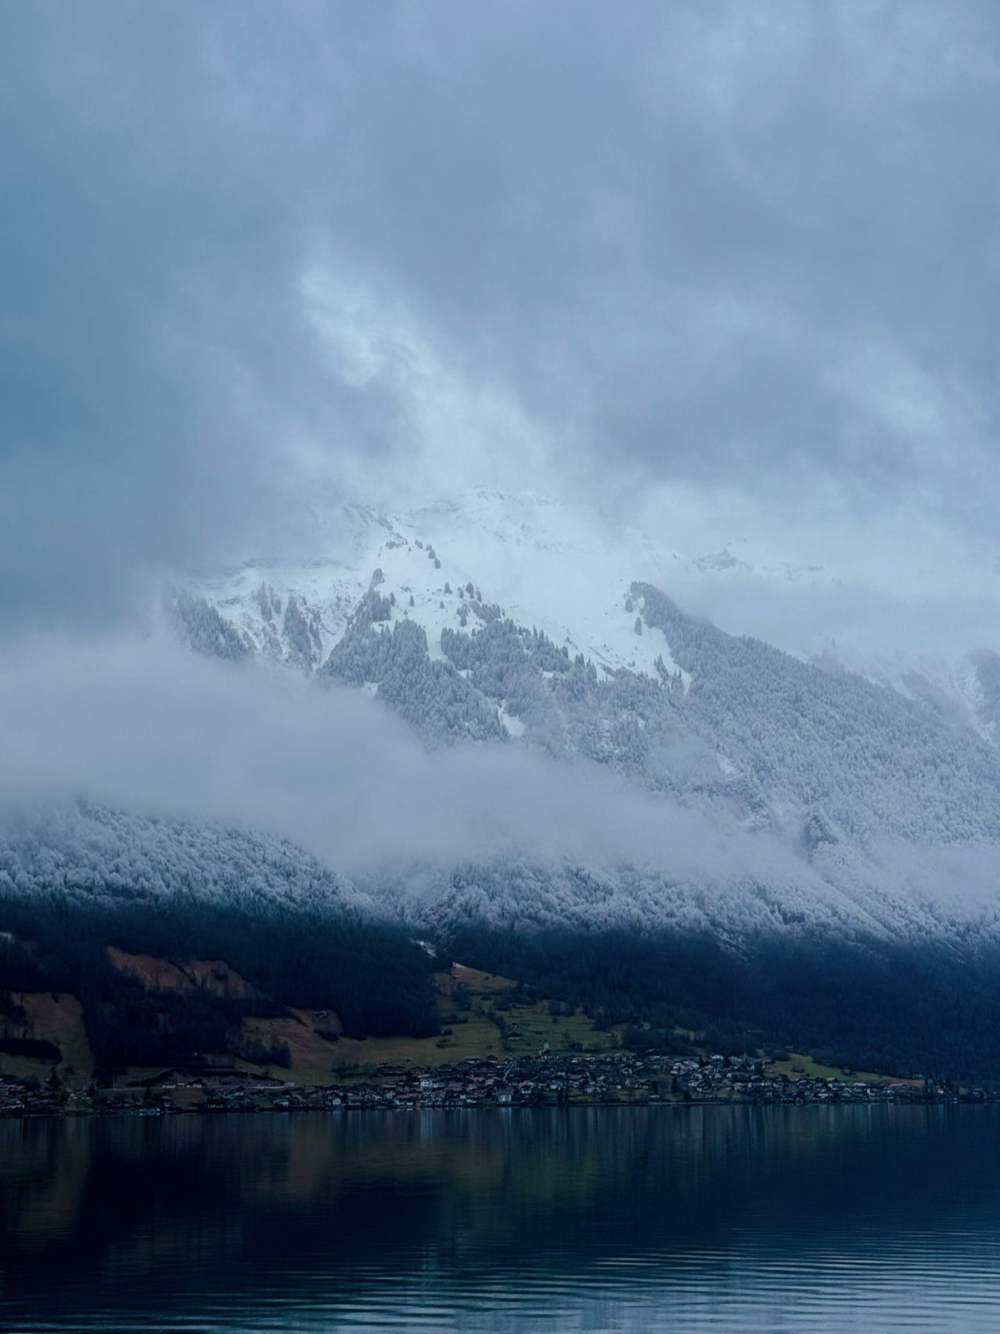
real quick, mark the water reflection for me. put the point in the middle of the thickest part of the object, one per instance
(723, 1219)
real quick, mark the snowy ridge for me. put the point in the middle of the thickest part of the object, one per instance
(519, 618)
(964, 689)
(528, 555)
(508, 618)
(559, 567)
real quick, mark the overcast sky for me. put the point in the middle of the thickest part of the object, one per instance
(741, 257)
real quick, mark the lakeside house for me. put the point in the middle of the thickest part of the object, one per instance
(552, 1079)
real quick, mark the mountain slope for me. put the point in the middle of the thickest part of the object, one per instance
(74, 880)
(735, 829)
(499, 616)
(529, 555)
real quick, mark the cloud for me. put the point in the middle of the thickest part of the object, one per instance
(158, 365)
(740, 246)
(142, 725)
(746, 248)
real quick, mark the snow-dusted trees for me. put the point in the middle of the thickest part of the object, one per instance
(199, 625)
(302, 635)
(876, 762)
(429, 694)
(76, 880)
(269, 602)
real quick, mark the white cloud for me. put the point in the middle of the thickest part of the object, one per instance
(143, 725)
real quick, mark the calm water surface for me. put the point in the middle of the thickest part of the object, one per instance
(688, 1219)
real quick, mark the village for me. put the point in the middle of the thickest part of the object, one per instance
(545, 1080)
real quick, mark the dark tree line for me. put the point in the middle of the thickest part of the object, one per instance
(370, 973)
(894, 1009)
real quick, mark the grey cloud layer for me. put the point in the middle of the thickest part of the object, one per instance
(145, 726)
(752, 245)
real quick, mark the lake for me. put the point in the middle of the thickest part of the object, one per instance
(715, 1219)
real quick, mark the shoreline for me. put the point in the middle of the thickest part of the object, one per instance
(173, 1113)
(544, 1081)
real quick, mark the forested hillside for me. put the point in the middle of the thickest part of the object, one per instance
(75, 881)
(806, 851)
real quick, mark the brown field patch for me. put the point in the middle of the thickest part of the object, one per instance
(213, 976)
(311, 1053)
(149, 970)
(478, 981)
(217, 978)
(56, 1018)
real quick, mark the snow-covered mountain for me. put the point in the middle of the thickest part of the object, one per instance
(963, 687)
(706, 799)
(535, 558)
(512, 619)
(561, 568)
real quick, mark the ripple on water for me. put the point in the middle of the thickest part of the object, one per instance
(719, 1220)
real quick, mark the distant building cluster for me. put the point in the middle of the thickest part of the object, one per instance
(526, 1081)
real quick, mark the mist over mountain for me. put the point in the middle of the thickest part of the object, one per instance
(498, 616)
(448, 508)
(495, 739)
